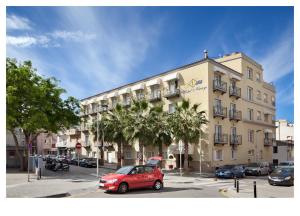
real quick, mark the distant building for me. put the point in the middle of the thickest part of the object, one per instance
(46, 143)
(66, 141)
(283, 150)
(12, 160)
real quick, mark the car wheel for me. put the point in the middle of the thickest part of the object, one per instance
(243, 175)
(157, 185)
(123, 187)
(259, 173)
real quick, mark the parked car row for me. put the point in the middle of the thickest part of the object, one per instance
(283, 174)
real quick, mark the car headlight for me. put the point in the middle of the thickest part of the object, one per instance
(287, 178)
(111, 181)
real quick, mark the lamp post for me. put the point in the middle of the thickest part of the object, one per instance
(256, 151)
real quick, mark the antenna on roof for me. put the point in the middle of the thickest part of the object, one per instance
(205, 54)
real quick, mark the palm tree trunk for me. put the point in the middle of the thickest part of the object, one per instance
(101, 155)
(119, 155)
(20, 157)
(186, 156)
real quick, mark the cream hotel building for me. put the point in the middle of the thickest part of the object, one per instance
(239, 105)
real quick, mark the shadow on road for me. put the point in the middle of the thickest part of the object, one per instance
(151, 191)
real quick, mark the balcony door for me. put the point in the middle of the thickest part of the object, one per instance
(218, 79)
(218, 105)
(218, 131)
(173, 84)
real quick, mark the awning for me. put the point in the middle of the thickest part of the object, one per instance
(103, 97)
(153, 82)
(218, 69)
(124, 91)
(268, 130)
(232, 76)
(112, 94)
(138, 87)
(172, 76)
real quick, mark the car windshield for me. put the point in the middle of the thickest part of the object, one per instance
(124, 170)
(283, 170)
(253, 165)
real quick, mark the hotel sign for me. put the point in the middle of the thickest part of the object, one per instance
(192, 86)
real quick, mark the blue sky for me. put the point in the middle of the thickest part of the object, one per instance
(92, 49)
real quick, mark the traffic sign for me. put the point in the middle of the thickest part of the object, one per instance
(78, 146)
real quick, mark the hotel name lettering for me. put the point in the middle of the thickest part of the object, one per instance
(192, 86)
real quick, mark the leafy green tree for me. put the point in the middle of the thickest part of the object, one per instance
(34, 103)
(186, 123)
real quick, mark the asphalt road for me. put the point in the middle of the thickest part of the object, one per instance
(82, 182)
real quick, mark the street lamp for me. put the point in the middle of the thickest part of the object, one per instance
(200, 154)
(256, 152)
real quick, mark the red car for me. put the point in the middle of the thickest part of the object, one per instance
(132, 177)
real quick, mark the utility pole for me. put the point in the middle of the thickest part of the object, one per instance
(97, 142)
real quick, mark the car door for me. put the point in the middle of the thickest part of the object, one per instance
(136, 177)
(149, 176)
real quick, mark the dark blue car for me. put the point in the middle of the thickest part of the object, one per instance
(230, 171)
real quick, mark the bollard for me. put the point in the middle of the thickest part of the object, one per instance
(237, 186)
(234, 182)
(254, 187)
(40, 173)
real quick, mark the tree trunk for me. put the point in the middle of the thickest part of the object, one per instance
(119, 164)
(20, 157)
(102, 155)
(141, 153)
(186, 157)
(122, 154)
(160, 149)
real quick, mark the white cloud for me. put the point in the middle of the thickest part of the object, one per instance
(279, 58)
(27, 41)
(69, 35)
(17, 23)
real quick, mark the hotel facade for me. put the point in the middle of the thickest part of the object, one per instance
(239, 105)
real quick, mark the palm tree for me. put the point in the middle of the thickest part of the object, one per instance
(160, 129)
(102, 129)
(137, 126)
(185, 124)
(115, 124)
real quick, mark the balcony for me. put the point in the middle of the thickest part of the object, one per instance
(269, 141)
(235, 92)
(155, 96)
(84, 127)
(103, 108)
(140, 97)
(219, 86)
(171, 93)
(235, 139)
(73, 131)
(126, 103)
(86, 144)
(235, 115)
(220, 138)
(220, 111)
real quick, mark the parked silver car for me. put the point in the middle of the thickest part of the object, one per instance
(261, 168)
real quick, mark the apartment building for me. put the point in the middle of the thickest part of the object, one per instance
(240, 107)
(283, 150)
(46, 144)
(12, 160)
(66, 142)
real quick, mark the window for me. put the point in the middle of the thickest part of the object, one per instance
(86, 140)
(250, 114)
(173, 85)
(128, 155)
(233, 154)
(148, 169)
(251, 136)
(251, 152)
(266, 117)
(171, 108)
(114, 101)
(11, 153)
(275, 149)
(140, 94)
(249, 73)
(249, 93)
(259, 115)
(257, 76)
(218, 155)
(273, 100)
(265, 98)
(218, 79)
(258, 96)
